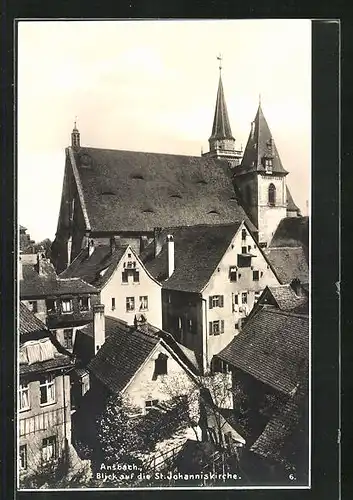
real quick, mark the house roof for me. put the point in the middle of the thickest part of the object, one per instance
(260, 143)
(197, 250)
(29, 323)
(289, 263)
(121, 356)
(272, 348)
(48, 284)
(137, 191)
(88, 267)
(279, 438)
(221, 127)
(286, 298)
(292, 232)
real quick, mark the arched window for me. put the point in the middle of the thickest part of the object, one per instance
(272, 194)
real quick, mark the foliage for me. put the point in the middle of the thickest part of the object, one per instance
(43, 246)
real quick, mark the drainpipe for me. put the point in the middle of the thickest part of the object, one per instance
(205, 358)
(65, 428)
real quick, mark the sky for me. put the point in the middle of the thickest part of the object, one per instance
(151, 86)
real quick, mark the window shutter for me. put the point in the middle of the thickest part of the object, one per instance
(210, 302)
(221, 301)
(222, 326)
(210, 328)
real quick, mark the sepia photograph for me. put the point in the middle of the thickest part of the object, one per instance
(164, 213)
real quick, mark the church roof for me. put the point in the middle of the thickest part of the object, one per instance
(221, 126)
(136, 191)
(289, 263)
(291, 206)
(260, 143)
(292, 232)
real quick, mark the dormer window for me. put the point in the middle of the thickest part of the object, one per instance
(272, 195)
(268, 165)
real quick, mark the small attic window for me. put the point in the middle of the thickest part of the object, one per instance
(213, 212)
(137, 176)
(201, 181)
(148, 211)
(108, 193)
(176, 195)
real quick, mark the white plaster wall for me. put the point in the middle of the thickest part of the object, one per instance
(268, 216)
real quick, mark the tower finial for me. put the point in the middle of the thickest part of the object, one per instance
(260, 99)
(75, 122)
(220, 58)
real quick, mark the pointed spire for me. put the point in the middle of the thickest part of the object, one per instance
(75, 136)
(221, 126)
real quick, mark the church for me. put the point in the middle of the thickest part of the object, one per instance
(128, 195)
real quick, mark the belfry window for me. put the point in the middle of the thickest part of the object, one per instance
(272, 195)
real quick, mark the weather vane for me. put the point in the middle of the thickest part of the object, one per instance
(220, 58)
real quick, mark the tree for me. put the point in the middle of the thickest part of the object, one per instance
(43, 246)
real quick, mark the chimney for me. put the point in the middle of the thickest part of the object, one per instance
(170, 251)
(20, 268)
(158, 242)
(297, 287)
(98, 326)
(40, 263)
(112, 245)
(90, 247)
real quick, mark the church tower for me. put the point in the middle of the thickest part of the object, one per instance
(261, 180)
(222, 142)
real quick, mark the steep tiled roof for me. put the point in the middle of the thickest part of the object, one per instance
(289, 263)
(292, 232)
(286, 298)
(29, 323)
(137, 191)
(258, 145)
(221, 126)
(119, 358)
(290, 202)
(273, 347)
(279, 439)
(48, 284)
(88, 267)
(60, 361)
(197, 249)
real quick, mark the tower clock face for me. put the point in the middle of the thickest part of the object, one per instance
(85, 160)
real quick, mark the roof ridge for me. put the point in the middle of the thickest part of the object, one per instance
(284, 248)
(148, 153)
(275, 310)
(226, 224)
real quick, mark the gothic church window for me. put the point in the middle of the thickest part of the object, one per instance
(271, 194)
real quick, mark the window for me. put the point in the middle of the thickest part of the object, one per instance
(216, 327)
(49, 449)
(136, 276)
(243, 250)
(84, 303)
(23, 457)
(243, 234)
(113, 303)
(66, 305)
(233, 274)
(149, 404)
(190, 325)
(24, 396)
(50, 304)
(249, 248)
(268, 165)
(216, 301)
(68, 335)
(180, 324)
(255, 275)
(143, 303)
(47, 389)
(130, 304)
(271, 194)
(161, 365)
(124, 277)
(244, 298)
(129, 255)
(33, 306)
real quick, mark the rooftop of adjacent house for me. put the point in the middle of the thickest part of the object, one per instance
(138, 191)
(48, 284)
(197, 250)
(96, 268)
(40, 353)
(121, 356)
(125, 350)
(286, 429)
(273, 347)
(286, 298)
(289, 263)
(292, 232)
